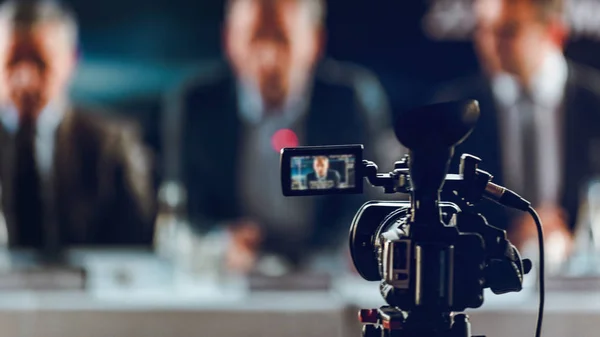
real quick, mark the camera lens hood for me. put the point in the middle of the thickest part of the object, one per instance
(371, 220)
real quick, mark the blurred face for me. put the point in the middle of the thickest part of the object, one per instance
(484, 40)
(523, 37)
(274, 44)
(37, 63)
(321, 165)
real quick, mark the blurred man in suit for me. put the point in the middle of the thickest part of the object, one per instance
(68, 175)
(537, 132)
(277, 91)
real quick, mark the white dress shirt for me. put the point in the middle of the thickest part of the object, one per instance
(46, 126)
(547, 93)
(252, 109)
(262, 198)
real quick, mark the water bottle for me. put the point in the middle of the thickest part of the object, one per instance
(5, 261)
(586, 255)
(171, 216)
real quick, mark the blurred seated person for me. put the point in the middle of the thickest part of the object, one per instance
(322, 177)
(277, 91)
(538, 132)
(68, 175)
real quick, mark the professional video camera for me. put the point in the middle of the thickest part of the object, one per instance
(434, 258)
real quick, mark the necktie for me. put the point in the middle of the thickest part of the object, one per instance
(529, 139)
(28, 198)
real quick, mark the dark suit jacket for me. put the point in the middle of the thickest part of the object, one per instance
(580, 125)
(331, 175)
(212, 130)
(102, 194)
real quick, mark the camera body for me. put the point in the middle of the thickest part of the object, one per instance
(445, 261)
(383, 249)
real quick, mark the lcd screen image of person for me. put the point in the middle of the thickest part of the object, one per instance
(322, 177)
(322, 172)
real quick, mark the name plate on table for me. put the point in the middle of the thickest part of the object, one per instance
(300, 281)
(43, 279)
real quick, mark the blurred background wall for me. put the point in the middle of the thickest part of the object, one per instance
(132, 50)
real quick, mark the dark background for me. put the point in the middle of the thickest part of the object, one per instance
(134, 50)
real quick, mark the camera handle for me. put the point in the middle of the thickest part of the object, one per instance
(396, 181)
(471, 184)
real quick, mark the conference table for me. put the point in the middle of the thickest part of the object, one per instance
(158, 302)
(131, 292)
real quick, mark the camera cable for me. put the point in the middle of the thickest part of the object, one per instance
(540, 230)
(511, 199)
